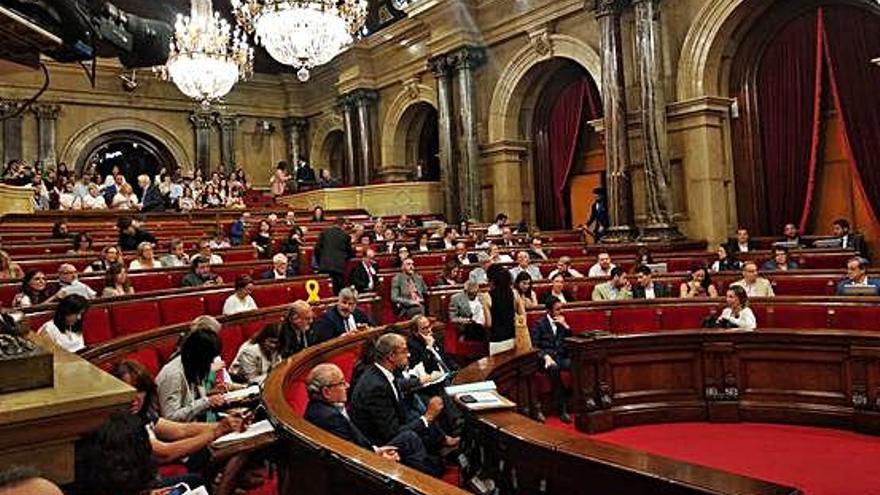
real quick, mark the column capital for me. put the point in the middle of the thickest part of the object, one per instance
(298, 123)
(363, 96)
(439, 66)
(466, 57)
(201, 120)
(637, 2)
(227, 121)
(46, 111)
(8, 107)
(602, 8)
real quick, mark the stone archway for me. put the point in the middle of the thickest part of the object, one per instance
(329, 123)
(413, 93)
(80, 142)
(333, 153)
(414, 141)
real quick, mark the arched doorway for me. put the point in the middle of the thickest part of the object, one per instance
(333, 155)
(567, 157)
(418, 139)
(804, 143)
(133, 152)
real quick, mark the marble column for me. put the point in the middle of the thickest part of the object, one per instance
(364, 99)
(466, 60)
(228, 133)
(439, 66)
(202, 123)
(348, 105)
(616, 141)
(295, 130)
(47, 120)
(653, 116)
(12, 149)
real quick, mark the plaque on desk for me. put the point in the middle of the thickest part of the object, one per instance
(24, 365)
(833, 243)
(859, 290)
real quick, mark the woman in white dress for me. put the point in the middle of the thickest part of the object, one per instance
(145, 259)
(65, 327)
(240, 300)
(737, 314)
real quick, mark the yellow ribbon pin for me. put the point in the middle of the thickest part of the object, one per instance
(313, 288)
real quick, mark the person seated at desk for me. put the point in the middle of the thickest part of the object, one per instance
(462, 256)
(364, 277)
(841, 230)
(497, 256)
(479, 274)
(69, 283)
(187, 384)
(790, 235)
(326, 409)
(537, 252)
(145, 259)
(207, 252)
(725, 262)
(548, 338)
(116, 282)
(563, 267)
(33, 291)
(427, 356)
(857, 275)
(602, 267)
(742, 243)
(450, 276)
(468, 310)
(258, 355)
(390, 244)
(780, 261)
(616, 289)
(240, 300)
(131, 236)
(408, 291)
(297, 331)
(507, 238)
(344, 317)
(698, 284)
(327, 181)
(200, 274)
(737, 313)
(754, 285)
(65, 327)
(646, 288)
(423, 244)
(377, 402)
(558, 290)
(176, 255)
(523, 264)
(496, 228)
(281, 269)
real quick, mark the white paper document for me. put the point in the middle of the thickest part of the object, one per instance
(254, 430)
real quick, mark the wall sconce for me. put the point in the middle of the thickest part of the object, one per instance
(265, 127)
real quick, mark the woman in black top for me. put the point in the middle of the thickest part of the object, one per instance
(503, 308)
(291, 246)
(262, 240)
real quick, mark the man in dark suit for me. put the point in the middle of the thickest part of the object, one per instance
(426, 352)
(598, 214)
(297, 329)
(130, 236)
(857, 275)
(741, 244)
(377, 403)
(328, 393)
(365, 275)
(548, 338)
(281, 269)
(332, 252)
(152, 198)
(645, 287)
(841, 230)
(342, 318)
(305, 174)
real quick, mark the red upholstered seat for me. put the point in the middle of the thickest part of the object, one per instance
(346, 361)
(271, 295)
(252, 327)
(297, 396)
(683, 317)
(634, 320)
(214, 301)
(857, 318)
(37, 320)
(801, 316)
(803, 286)
(8, 292)
(231, 337)
(134, 317)
(583, 291)
(147, 357)
(96, 326)
(144, 282)
(181, 309)
(582, 321)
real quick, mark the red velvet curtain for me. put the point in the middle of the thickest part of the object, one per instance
(851, 41)
(789, 78)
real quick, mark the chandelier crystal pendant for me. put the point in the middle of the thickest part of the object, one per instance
(302, 33)
(207, 57)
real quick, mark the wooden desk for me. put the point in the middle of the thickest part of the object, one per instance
(39, 427)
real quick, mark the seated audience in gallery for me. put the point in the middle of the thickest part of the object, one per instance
(646, 287)
(408, 291)
(327, 409)
(65, 327)
(176, 256)
(327, 180)
(737, 313)
(240, 300)
(344, 317)
(741, 244)
(467, 311)
(537, 251)
(145, 259)
(200, 274)
(258, 355)
(281, 269)
(34, 290)
(615, 289)
(297, 329)
(753, 283)
(116, 282)
(857, 276)
(93, 200)
(724, 261)
(305, 174)
(69, 283)
(602, 267)
(523, 264)
(548, 338)
(131, 235)
(791, 235)
(781, 261)
(698, 284)
(559, 290)
(522, 285)
(564, 268)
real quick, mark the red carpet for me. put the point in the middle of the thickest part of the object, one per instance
(819, 461)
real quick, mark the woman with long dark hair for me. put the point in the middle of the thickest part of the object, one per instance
(262, 240)
(65, 327)
(258, 355)
(33, 290)
(698, 284)
(185, 391)
(503, 305)
(116, 282)
(737, 313)
(109, 256)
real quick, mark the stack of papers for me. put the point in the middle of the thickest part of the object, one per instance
(254, 430)
(243, 394)
(479, 396)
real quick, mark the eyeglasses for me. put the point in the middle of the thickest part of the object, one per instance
(337, 384)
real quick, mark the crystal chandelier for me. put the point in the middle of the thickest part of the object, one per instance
(302, 33)
(206, 58)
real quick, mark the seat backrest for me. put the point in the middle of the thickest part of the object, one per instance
(683, 317)
(857, 318)
(96, 325)
(271, 294)
(134, 317)
(232, 339)
(634, 320)
(180, 309)
(795, 316)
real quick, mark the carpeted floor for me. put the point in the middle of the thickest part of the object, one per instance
(819, 461)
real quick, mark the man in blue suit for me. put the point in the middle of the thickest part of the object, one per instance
(857, 276)
(548, 338)
(344, 317)
(328, 393)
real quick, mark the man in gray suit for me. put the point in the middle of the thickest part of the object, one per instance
(468, 311)
(408, 291)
